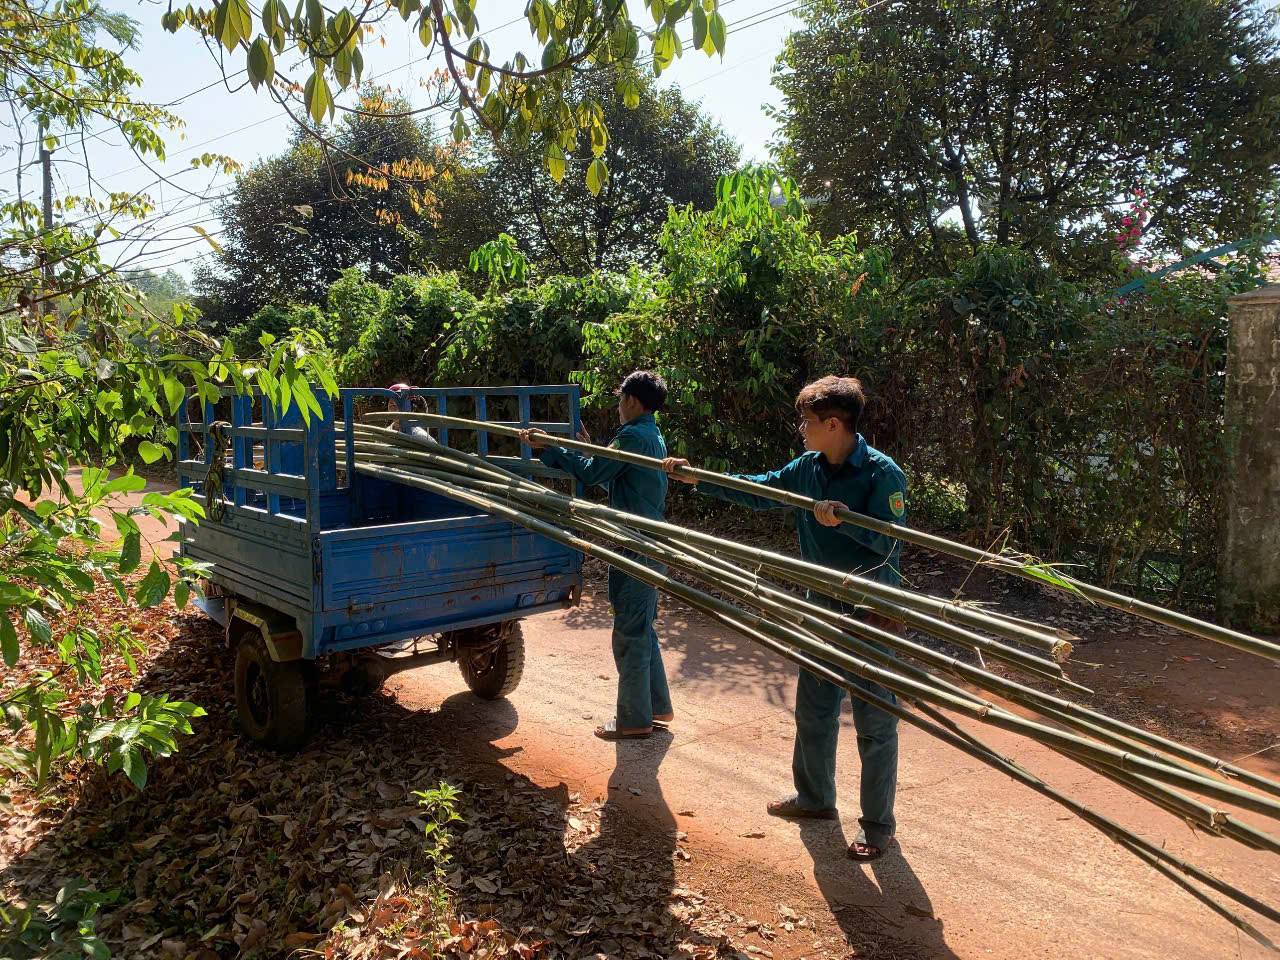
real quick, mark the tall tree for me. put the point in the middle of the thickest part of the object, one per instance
(89, 374)
(160, 290)
(1066, 128)
(662, 150)
(365, 196)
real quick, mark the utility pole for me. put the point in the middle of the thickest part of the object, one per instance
(46, 206)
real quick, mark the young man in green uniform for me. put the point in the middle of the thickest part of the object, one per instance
(643, 696)
(839, 470)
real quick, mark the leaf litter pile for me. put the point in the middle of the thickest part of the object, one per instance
(234, 852)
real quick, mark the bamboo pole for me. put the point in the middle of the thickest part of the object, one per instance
(728, 614)
(1010, 628)
(1116, 732)
(1024, 567)
(1053, 644)
(900, 685)
(893, 602)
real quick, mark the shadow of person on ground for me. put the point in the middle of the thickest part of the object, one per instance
(880, 906)
(635, 849)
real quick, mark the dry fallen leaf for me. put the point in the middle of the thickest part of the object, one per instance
(231, 836)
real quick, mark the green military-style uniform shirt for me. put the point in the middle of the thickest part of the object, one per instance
(631, 488)
(869, 482)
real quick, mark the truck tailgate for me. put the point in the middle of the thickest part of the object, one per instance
(366, 567)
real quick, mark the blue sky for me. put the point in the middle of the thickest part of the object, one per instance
(247, 125)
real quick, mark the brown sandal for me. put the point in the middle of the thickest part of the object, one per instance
(865, 852)
(790, 809)
(609, 731)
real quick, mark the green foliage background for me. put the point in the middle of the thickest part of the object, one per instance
(1021, 403)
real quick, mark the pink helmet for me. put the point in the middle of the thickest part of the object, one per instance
(397, 387)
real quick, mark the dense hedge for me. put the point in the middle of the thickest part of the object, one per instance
(1088, 429)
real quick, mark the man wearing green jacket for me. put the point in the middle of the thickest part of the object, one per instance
(839, 470)
(643, 696)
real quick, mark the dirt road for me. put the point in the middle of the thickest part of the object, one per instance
(984, 868)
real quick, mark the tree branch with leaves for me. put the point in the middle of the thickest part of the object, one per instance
(529, 98)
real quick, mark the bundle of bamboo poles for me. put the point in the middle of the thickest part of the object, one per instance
(753, 594)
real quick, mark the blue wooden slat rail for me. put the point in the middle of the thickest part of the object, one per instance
(352, 560)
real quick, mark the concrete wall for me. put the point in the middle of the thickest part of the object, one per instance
(1249, 565)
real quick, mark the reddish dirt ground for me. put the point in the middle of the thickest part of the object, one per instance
(984, 868)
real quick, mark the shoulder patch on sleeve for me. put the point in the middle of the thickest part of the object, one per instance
(897, 503)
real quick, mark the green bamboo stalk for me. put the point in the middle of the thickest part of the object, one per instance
(1016, 631)
(725, 612)
(1192, 811)
(903, 686)
(1027, 568)
(1044, 669)
(1094, 722)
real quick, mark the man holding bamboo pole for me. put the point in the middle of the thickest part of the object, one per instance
(840, 471)
(643, 696)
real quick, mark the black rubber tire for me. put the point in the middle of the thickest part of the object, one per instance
(491, 670)
(272, 699)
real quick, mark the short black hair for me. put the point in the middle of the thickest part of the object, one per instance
(839, 397)
(647, 387)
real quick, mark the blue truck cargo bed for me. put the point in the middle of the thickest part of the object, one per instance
(322, 561)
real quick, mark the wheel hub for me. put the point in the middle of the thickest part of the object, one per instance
(259, 701)
(482, 660)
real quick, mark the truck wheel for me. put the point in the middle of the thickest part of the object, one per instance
(272, 699)
(491, 658)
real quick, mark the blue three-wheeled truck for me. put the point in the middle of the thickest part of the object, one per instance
(322, 575)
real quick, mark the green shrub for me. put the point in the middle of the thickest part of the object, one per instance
(1018, 402)
(750, 305)
(404, 340)
(532, 335)
(354, 302)
(277, 321)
